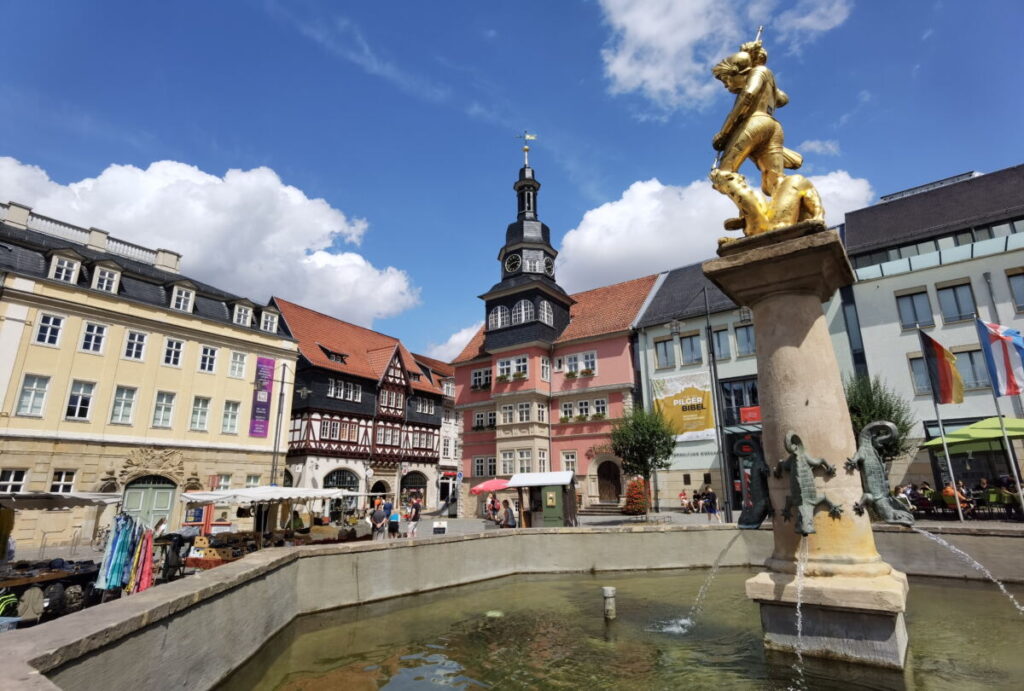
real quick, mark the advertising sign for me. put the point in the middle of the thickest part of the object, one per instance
(259, 423)
(686, 402)
(750, 414)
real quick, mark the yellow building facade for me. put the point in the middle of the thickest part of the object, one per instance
(117, 374)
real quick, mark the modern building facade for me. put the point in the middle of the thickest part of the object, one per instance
(538, 386)
(119, 374)
(366, 417)
(932, 257)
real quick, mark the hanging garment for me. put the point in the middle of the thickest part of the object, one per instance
(145, 579)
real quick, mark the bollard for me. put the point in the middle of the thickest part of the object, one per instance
(609, 602)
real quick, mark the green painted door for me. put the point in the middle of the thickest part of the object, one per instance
(551, 497)
(149, 499)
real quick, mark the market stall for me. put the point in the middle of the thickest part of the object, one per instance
(30, 590)
(551, 499)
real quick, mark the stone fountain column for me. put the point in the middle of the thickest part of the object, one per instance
(853, 602)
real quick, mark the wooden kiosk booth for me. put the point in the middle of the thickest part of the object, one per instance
(546, 500)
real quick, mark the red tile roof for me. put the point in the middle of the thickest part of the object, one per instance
(443, 369)
(604, 310)
(368, 353)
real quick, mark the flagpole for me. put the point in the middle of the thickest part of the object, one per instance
(1011, 457)
(949, 464)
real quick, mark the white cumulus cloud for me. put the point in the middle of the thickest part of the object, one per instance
(825, 147)
(655, 227)
(664, 49)
(247, 232)
(447, 351)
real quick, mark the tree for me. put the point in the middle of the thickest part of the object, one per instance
(644, 441)
(869, 399)
(636, 498)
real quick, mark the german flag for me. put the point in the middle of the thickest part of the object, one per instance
(947, 385)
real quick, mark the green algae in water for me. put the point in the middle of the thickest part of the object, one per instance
(552, 634)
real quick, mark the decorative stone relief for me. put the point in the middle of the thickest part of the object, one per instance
(152, 461)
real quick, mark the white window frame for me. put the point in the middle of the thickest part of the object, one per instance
(521, 365)
(542, 460)
(492, 418)
(12, 480)
(545, 368)
(505, 367)
(62, 481)
(95, 335)
(522, 312)
(177, 352)
(32, 401)
(252, 480)
(523, 411)
(242, 315)
(499, 318)
(223, 481)
(236, 368)
(508, 462)
(545, 313)
(60, 265)
(132, 344)
(229, 418)
(568, 409)
(572, 363)
(542, 411)
(47, 322)
(480, 377)
(569, 460)
(163, 402)
(207, 360)
(582, 408)
(589, 360)
(525, 460)
(105, 279)
(200, 419)
(508, 412)
(88, 394)
(601, 407)
(268, 322)
(122, 409)
(182, 299)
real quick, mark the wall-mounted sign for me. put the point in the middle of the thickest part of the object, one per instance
(750, 414)
(259, 423)
(686, 402)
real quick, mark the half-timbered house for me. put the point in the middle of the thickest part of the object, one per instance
(367, 417)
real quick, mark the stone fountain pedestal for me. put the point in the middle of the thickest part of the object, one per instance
(853, 602)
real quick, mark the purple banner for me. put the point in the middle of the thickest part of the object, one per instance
(259, 423)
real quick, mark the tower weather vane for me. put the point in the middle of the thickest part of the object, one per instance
(527, 138)
(750, 131)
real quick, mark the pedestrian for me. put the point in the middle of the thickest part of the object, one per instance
(387, 506)
(711, 504)
(414, 517)
(379, 522)
(508, 516)
(393, 524)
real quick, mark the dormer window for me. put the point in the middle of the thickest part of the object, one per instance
(243, 315)
(268, 322)
(64, 269)
(333, 355)
(182, 299)
(106, 279)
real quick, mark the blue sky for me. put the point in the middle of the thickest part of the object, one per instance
(373, 145)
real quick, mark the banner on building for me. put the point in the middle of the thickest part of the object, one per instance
(259, 423)
(686, 402)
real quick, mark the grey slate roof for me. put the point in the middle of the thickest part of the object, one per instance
(982, 200)
(680, 297)
(25, 252)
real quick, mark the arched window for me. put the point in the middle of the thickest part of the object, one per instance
(522, 312)
(547, 315)
(342, 479)
(414, 482)
(498, 318)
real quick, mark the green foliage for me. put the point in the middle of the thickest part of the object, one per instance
(644, 441)
(869, 400)
(636, 498)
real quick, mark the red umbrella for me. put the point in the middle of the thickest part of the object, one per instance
(498, 483)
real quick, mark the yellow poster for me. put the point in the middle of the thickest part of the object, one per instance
(685, 401)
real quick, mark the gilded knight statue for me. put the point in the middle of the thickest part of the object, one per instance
(750, 131)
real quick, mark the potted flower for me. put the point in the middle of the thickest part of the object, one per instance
(492, 427)
(564, 419)
(581, 418)
(519, 376)
(597, 416)
(502, 378)
(570, 374)
(478, 428)
(586, 372)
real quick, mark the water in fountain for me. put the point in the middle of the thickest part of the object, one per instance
(801, 567)
(685, 624)
(972, 562)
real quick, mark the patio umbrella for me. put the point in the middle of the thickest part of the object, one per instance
(981, 431)
(495, 485)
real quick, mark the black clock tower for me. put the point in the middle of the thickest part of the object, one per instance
(527, 305)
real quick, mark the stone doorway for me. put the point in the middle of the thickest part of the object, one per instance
(609, 483)
(149, 498)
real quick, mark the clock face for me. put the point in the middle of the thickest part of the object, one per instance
(513, 262)
(549, 266)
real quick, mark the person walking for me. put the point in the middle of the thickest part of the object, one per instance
(414, 517)
(711, 504)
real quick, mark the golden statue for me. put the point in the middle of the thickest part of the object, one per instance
(750, 131)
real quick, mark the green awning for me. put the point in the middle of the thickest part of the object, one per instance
(980, 431)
